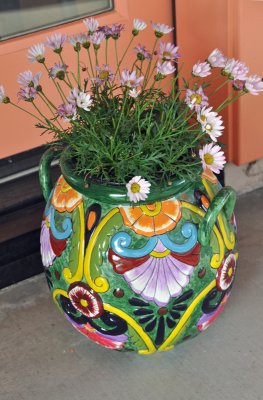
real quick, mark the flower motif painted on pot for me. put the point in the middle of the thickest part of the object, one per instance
(85, 300)
(226, 273)
(50, 247)
(163, 318)
(65, 198)
(159, 276)
(152, 219)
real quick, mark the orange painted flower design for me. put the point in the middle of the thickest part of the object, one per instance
(152, 219)
(65, 198)
(209, 176)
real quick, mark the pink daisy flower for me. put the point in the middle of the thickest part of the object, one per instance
(165, 68)
(254, 84)
(196, 99)
(56, 42)
(201, 69)
(216, 59)
(27, 78)
(168, 51)
(36, 53)
(161, 29)
(130, 79)
(91, 24)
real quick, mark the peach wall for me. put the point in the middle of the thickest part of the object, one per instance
(17, 132)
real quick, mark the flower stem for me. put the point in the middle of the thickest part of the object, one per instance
(149, 64)
(67, 77)
(53, 80)
(78, 66)
(125, 52)
(90, 62)
(218, 88)
(28, 112)
(42, 96)
(106, 52)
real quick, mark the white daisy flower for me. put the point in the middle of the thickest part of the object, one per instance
(138, 189)
(201, 69)
(236, 70)
(211, 123)
(212, 157)
(80, 99)
(36, 53)
(91, 24)
(254, 85)
(2, 94)
(134, 93)
(204, 113)
(216, 59)
(161, 29)
(138, 25)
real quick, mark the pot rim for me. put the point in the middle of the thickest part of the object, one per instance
(114, 193)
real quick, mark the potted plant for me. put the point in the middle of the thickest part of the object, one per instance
(138, 237)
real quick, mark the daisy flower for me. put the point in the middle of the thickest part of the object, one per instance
(201, 69)
(68, 112)
(165, 68)
(206, 113)
(212, 125)
(91, 24)
(168, 51)
(56, 42)
(216, 59)
(254, 85)
(116, 31)
(96, 38)
(196, 99)
(138, 25)
(235, 70)
(80, 99)
(134, 93)
(27, 94)
(142, 53)
(36, 53)
(77, 40)
(58, 71)
(27, 78)
(104, 75)
(3, 97)
(212, 157)
(138, 189)
(161, 29)
(130, 79)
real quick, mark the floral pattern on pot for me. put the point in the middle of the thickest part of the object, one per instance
(159, 276)
(65, 198)
(50, 247)
(85, 300)
(226, 273)
(152, 219)
(130, 289)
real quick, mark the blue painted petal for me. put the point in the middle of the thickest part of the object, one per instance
(189, 231)
(121, 241)
(66, 225)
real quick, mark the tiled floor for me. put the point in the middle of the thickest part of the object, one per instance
(43, 358)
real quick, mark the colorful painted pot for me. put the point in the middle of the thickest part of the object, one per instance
(138, 277)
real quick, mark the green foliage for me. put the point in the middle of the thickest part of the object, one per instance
(123, 137)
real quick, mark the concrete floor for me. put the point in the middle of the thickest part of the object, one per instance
(43, 358)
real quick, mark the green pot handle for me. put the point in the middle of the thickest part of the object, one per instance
(45, 178)
(224, 200)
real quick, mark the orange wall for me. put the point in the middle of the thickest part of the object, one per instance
(17, 132)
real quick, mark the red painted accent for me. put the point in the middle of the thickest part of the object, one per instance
(57, 245)
(192, 257)
(122, 265)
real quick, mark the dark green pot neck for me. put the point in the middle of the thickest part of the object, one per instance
(116, 194)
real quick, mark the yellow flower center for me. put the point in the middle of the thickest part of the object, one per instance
(209, 159)
(104, 75)
(209, 127)
(202, 117)
(135, 187)
(196, 99)
(166, 54)
(47, 223)
(84, 303)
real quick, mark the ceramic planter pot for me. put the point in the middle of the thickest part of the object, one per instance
(138, 277)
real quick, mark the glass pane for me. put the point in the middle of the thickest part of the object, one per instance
(23, 16)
